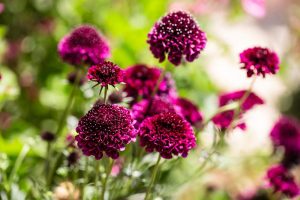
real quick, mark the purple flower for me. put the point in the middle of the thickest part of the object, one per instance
(286, 133)
(167, 133)
(259, 61)
(73, 158)
(72, 78)
(224, 119)
(188, 110)
(178, 35)
(83, 46)
(106, 73)
(116, 97)
(105, 128)
(141, 80)
(282, 181)
(48, 136)
(149, 107)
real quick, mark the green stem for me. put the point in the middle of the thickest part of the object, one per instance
(61, 125)
(18, 163)
(97, 171)
(86, 177)
(47, 160)
(153, 177)
(108, 171)
(237, 111)
(105, 94)
(227, 107)
(69, 104)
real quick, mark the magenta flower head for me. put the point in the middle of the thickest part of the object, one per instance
(286, 134)
(105, 128)
(167, 133)
(189, 111)
(106, 73)
(84, 45)
(150, 107)
(224, 119)
(178, 36)
(141, 80)
(282, 181)
(259, 61)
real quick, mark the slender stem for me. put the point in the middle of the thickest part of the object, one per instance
(61, 125)
(224, 108)
(69, 103)
(105, 94)
(18, 163)
(97, 170)
(237, 111)
(47, 160)
(108, 171)
(86, 177)
(153, 177)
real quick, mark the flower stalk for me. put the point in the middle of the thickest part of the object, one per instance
(153, 177)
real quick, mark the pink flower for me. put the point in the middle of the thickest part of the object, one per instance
(177, 36)
(259, 61)
(83, 46)
(168, 134)
(224, 119)
(256, 8)
(282, 181)
(105, 128)
(105, 73)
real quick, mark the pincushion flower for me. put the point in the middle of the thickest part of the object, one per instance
(177, 36)
(168, 134)
(48, 136)
(259, 61)
(150, 107)
(224, 119)
(286, 134)
(141, 80)
(106, 73)
(188, 110)
(282, 181)
(84, 45)
(105, 128)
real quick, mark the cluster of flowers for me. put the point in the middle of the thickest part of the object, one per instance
(285, 136)
(163, 121)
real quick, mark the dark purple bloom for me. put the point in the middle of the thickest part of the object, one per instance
(149, 107)
(224, 119)
(259, 61)
(178, 35)
(106, 73)
(282, 181)
(167, 133)
(73, 158)
(83, 46)
(286, 133)
(116, 97)
(48, 136)
(105, 128)
(141, 81)
(72, 79)
(188, 110)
